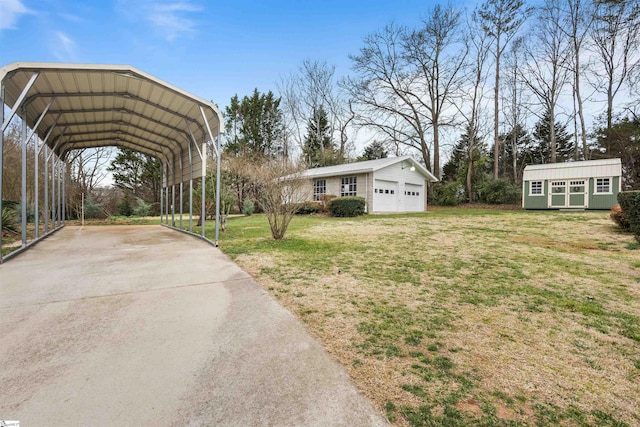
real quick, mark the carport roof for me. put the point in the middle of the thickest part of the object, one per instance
(90, 105)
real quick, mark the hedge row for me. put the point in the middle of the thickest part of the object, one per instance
(346, 206)
(630, 203)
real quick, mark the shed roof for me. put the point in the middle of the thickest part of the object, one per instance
(365, 167)
(91, 105)
(570, 170)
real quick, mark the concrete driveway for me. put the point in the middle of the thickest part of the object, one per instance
(142, 325)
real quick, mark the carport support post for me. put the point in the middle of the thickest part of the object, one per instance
(190, 190)
(23, 198)
(59, 193)
(46, 189)
(161, 192)
(1, 159)
(53, 192)
(218, 187)
(63, 203)
(36, 193)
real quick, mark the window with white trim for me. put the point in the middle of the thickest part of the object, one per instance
(576, 187)
(348, 187)
(535, 188)
(558, 187)
(603, 186)
(319, 189)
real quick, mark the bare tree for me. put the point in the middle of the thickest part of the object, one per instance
(616, 36)
(502, 19)
(576, 26)
(479, 49)
(515, 105)
(437, 55)
(386, 94)
(312, 88)
(546, 71)
(281, 190)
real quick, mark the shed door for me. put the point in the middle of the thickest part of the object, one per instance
(578, 194)
(413, 198)
(558, 194)
(385, 196)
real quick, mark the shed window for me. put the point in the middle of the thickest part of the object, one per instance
(603, 185)
(348, 187)
(558, 187)
(319, 189)
(535, 188)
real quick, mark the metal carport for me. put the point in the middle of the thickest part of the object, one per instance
(70, 106)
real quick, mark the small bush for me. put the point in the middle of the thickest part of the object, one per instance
(124, 207)
(324, 201)
(346, 206)
(248, 208)
(141, 208)
(630, 205)
(309, 208)
(499, 192)
(618, 217)
(449, 194)
(9, 220)
(91, 209)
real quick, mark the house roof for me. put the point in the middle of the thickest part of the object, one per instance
(92, 105)
(569, 170)
(365, 167)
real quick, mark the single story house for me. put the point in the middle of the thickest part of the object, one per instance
(589, 184)
(394, 184)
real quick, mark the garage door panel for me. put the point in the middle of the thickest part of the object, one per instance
(413, 197)
(385, 196)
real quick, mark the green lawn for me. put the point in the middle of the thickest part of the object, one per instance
(463, 316)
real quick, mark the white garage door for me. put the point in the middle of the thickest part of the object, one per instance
(413, 198)
(385, 196)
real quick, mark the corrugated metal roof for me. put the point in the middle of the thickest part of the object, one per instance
(569, 170)
(110, 105)
(365, 167)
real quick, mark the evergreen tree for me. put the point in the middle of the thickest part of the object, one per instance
(137, 174)
(375, 150)
(622, 140)
(541, 151)
(319, 148)
(517, 152)
(467, 155)
(254, 126)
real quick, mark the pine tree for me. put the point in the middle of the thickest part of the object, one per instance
(541, 151)
(375, 150)
(319, 148)
(517, 152)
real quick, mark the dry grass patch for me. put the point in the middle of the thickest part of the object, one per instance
(461, 317)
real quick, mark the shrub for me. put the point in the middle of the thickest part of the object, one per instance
(9, 220)
(499, 192)
(141, 208)
(346, 206)
(91, 209)
(248, 208)
(630, 204)
(324, 201)
(618, 217)
(449, 194)
(124, 207)
(309, 208)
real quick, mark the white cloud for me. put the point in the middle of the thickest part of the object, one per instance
(10, 11)
(171, 18)
(64, 47)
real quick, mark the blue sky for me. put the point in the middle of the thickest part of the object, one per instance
(212, 49)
